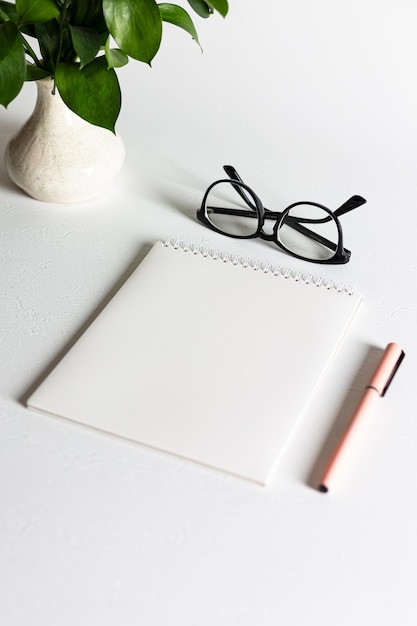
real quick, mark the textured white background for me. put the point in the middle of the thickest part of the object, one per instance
(309, 100)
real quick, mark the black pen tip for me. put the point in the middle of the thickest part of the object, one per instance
(323, 488)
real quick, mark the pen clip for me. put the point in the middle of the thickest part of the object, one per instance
(387, 368)
(394, 371)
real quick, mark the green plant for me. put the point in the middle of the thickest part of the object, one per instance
(75, 39)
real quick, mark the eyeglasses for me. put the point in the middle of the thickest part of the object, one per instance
(306, 230)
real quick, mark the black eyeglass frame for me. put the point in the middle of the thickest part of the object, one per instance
(341, 255)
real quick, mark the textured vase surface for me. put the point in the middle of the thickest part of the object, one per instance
(59, 157)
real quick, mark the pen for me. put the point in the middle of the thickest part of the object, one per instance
(376, 388)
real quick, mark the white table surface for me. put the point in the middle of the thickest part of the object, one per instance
(309, 100)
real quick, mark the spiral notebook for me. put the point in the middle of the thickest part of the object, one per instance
(204, 355)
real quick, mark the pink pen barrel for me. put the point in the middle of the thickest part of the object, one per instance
(377, 387)
(365, 406)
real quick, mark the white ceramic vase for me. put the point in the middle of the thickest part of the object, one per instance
(59, 157)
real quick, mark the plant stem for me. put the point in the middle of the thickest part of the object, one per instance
(31, 52)
(61, 29)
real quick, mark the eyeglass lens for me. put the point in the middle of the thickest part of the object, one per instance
(309, 231)
(228, 212)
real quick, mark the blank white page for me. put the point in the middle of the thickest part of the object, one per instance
(203, 358)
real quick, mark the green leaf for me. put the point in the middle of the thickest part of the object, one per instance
(86, 42)
(88, 13)
(219, 5)
(7, 11)
(136, 27)
(115, 57)
(200, 7)
(28, 29)
(79, 10)
(12, 63)
(35, 11)
(93, 92)
(35, 73)
(176, 15)
(48, 36)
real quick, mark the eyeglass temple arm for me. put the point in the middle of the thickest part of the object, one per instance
(232, 173)
(353, 203)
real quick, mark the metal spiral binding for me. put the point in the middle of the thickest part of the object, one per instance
(266, 267)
